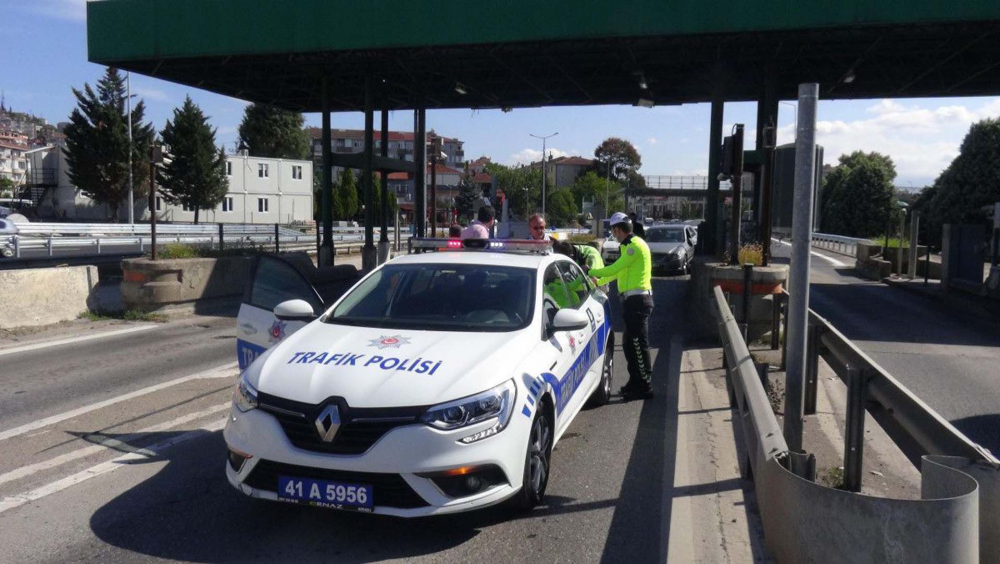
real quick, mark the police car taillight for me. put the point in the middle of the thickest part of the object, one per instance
(424, 244)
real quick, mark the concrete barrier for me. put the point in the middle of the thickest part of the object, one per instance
(165, 283)
(40, 296)
(765, 282)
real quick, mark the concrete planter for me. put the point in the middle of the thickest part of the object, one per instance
(40, 296)
(875, 262)
(765, 282)
(149, 285)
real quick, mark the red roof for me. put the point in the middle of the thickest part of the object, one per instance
(580, 161)
(482, 178)
(13, 146)
(398, 176)
(441, 169)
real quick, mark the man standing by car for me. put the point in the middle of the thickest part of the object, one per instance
(633, 273)
(480, 227)
(536, 227)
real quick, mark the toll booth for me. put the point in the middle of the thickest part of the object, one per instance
(784, 187)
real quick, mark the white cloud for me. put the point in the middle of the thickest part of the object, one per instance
(885, 106)
(75, 10)
(651, 141)
(921, 141)
(150, 94)
(527, 156)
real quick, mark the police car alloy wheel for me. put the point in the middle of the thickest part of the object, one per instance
(602, 395)
(537, 463)
(439, 383)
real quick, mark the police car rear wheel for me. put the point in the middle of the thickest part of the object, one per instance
(536, 463)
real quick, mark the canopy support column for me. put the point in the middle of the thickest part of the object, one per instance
(420, 172)
(325, 253)
(713, 227)
(383, 242)
(368, 256)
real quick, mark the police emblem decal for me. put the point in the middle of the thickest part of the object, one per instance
(389, 342)
(276, 332)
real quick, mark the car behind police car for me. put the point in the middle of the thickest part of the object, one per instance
(439, 383)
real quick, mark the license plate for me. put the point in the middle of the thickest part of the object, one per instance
(323, 492)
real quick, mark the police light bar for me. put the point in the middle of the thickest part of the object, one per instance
(425, 244)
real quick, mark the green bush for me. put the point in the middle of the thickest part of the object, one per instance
(178, 251)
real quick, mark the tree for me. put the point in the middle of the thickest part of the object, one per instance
(469, 197)
(971, 183)
(271, 132)
(359, 194)
(622, 158)
(522, 186)
(196, 175)
(345, 196)
(858, 197)
(6, 188)
(97, 147)
(561, 208)
(592, 187)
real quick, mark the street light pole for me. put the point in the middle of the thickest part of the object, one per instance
(128, 97)
(543, 138)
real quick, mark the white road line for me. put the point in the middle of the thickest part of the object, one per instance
(223, 371)
(79, 339)
(11, 502)
(120, 443)
(832, 261)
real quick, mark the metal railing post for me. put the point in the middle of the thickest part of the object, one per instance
(17, 246)
(812, 368)
(222, 237)
(140, 244)
(775, 321)
(49, 244)
(784, 332)
(747, 276)
(763, 371)
(277, 242)
(854, 436)
(98, 245)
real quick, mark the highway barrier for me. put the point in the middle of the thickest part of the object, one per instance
(957, 519)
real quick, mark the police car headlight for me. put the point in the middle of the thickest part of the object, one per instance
(496, 403)
(245, 395)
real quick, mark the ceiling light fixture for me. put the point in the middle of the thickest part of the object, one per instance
(460, 88)
(849, 77)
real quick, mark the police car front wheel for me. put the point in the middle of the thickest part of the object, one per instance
(537, 462)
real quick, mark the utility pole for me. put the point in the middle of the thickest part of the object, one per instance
(798, 301)
(128, 97)
(544, 138)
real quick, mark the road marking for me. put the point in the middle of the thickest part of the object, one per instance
(18, 500)
(223, 371)
(79, 339)
(832, 261)
(103, 442)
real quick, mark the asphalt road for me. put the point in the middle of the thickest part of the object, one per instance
(949, 358)
(141, 478)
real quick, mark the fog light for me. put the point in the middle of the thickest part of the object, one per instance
(237, 459)
(467, 480)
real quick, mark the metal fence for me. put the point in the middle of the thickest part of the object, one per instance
(957, 519)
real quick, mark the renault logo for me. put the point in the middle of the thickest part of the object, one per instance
(328, 423)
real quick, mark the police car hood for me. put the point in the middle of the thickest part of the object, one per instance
(389, 367)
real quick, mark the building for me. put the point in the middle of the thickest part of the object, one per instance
(562, 172)
(261, 190)
(401, 184)
(13, 163)
(400, 144)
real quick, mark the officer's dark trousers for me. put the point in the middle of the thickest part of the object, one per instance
(636, 311)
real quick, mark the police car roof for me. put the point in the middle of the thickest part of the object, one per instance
(521, 260)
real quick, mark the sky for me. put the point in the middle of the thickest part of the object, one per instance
(46, 55)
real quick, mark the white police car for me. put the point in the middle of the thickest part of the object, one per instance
(439, 383)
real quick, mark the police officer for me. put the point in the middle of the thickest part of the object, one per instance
(584, 255)
(632, 272)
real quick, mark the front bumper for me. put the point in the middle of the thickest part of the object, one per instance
(668, 262)
(391, 465)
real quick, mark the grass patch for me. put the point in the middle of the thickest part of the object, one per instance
(831, 476)
(126, 315)
(752, 253)
(894, 242)
(234, 249)
(582, 239)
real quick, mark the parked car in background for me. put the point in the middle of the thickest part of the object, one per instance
(7, 232)
(671, 246)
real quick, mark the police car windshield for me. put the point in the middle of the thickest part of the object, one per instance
(664, 236)
(441, 297)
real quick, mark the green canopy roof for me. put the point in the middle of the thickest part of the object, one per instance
(514, 53)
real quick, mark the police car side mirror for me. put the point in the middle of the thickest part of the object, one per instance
(294, 310)
(569, 320)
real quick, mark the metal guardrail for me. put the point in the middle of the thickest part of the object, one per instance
(836, 243)
(957, 519)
